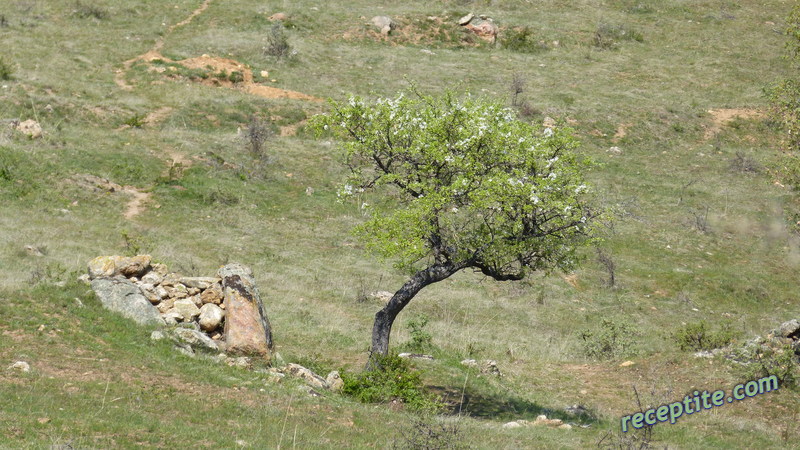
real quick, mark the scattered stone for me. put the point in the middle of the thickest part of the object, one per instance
(152, 277)
(126, 298)
(484, 28)
(33, 251)
(565, 426)
(112, 266)
(247, 328)
(334, 381)
(162, 292)
(382, 296)
(704, 354)
(415, 356)
(312, 379)
(384, 24)
(627, 364)
(549, 122)
(160, 269)
(790, 329)
(21, 366)
(242, 362)
(148, 290)
(199, 282)
(166, 306)
(578, 410)
(84, 279)
(212, 295)
(172, 317)
(489, 367)
(466, 19)
(428, 52)
(31, 128)
(187, 309)
(186, 350)
(543, 420)
(195, 338)
(469, 363)
(157, 335)
(178, 291)
(511, 425)
(196, 300)
(211, 317)
(615, 150)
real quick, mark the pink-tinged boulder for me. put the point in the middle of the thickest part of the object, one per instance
(247, 328)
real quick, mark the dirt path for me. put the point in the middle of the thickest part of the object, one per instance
(155, 52)
(213, 64)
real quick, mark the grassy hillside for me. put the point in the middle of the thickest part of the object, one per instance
(665, 96)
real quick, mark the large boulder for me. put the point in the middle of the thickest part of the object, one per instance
(384, 23)
(124, 297)
(112, 266)
(247, 328)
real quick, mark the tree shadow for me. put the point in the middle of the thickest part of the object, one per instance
(503, 407)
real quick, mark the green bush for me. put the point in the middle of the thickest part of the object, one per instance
(393, 380)
(5, 70)
(278, 43)
(421, 340)
(611, 339)
(698, 336)
(523, 40)
(764, 361)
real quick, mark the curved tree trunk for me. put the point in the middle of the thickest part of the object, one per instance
(386, 316)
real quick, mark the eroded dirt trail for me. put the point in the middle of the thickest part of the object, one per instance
(206, 62)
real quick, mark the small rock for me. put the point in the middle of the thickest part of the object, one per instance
(157, 335)
(199, 282)
(33, 251)
(195, 338)
(548, 122)
(264, 74)
(565, 426)
(382, 296)
(152, 277)
(334, 381)
(162, 292)
(31, 128)
(212, 295)
(278, 16)
(186, 350)
(615, 150)
(490, 368)
(510, 425)
(484, 29)
(178, 291)
(21, 366)
(111, 266)
(309, 191)
(166, 305)
(196, 299)
(469, 363)
(148, 290)
(159, 269)
(627, 364)
(384, 24)
(466, 19)
(211, 317)
(790, 329)
(84, 279)
(312, 379)
(704, 354)
(242, 362)
(187, 309)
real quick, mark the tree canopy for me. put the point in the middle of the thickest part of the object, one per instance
(459, 182)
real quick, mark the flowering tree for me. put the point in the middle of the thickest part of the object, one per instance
(459, 184)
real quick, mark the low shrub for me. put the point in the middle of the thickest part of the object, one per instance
(699, 336)
(523, 40)
(394, 380)
(608, 36)
(611, 339)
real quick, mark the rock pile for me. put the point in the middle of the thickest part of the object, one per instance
(217, 313)
(483, 26)
(542, 420)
